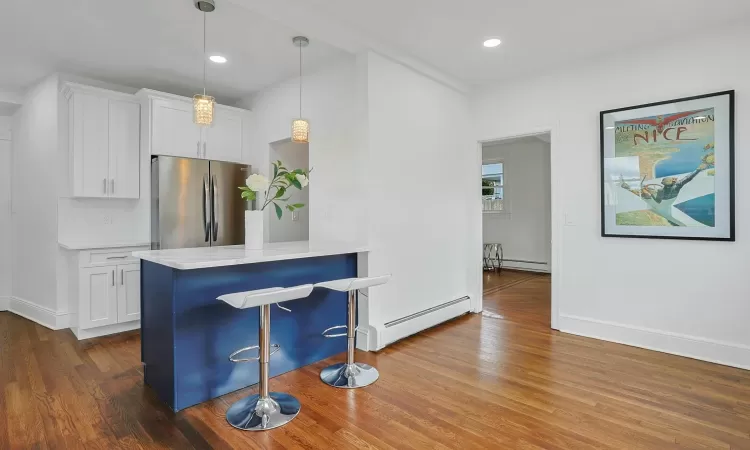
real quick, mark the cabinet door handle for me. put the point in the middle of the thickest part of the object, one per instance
(122, 277)
(113, 277)
(105, 185)
(198, 148)
(112, 187)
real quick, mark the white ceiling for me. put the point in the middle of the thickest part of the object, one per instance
(536, 34)
(149, 43)
(158, 43)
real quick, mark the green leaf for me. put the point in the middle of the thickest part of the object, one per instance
(298, 171)
(296, 184)
(298, 205)
(275, 170)
(290, 207)
(279, 192)
(279, 212)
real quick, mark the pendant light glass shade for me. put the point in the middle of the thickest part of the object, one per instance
(300, 131)
(203, 110)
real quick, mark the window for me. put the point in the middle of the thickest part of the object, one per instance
(492, 186)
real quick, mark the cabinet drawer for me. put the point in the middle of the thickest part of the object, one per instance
(111, 256)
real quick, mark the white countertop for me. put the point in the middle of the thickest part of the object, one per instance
(74, 245)
(204, 257)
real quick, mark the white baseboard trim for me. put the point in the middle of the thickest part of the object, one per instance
(4, 303)
(543, 268)
(719, 352)
(105, 330)
(39, 314)
(387, 335)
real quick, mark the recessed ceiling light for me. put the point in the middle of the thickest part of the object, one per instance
(218, 59)
(491, 43)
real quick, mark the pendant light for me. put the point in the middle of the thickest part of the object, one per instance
(203, 105)
(300, 126)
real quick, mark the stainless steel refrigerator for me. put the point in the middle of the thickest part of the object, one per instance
(196, 203)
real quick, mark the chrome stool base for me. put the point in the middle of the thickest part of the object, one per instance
(349, 376)
(255, 414)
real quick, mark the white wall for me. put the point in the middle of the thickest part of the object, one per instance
(5, 221)
(294, 156)
(336, 153)
(43, 213)
(34, 197)
(523, 228)
(683, 297)
(377, 128)
(421, 170)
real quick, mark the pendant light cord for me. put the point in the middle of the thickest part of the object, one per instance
(204, 53)
(300, 80)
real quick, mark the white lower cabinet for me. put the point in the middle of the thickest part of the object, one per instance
(108, 292)
(98, 297)
(129, 293)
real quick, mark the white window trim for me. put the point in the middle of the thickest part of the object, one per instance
(506, 204)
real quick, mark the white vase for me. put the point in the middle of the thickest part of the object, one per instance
(253, 230)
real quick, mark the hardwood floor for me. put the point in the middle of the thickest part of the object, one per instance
(498, 380)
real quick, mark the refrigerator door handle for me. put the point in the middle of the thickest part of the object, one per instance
(206, 208)
(215, 208)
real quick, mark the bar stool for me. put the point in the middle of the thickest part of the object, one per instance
(350, 375)
(265, 410)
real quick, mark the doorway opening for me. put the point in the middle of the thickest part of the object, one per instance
(295, 225)
(517, 229)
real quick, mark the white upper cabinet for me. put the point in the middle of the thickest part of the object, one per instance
(171, 130)
(104, 142)
(223, 139)
(124, 142)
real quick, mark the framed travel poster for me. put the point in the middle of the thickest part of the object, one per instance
(668, 169)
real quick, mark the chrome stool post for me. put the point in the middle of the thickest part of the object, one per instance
(351, 374)
(264, 410)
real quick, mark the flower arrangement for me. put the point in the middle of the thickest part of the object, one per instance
(283, 179)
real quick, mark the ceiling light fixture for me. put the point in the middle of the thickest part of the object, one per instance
(300, 126)
(203, 105)
(218, 59)
(492, 43)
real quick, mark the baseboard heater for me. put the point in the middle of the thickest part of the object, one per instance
(425, 312)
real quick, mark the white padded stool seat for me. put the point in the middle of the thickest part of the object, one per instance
(350, 284)
(258, 297)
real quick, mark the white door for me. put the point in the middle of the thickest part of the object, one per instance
(173, 132)
(129, 293)
(98, 297)
(90, 137)
(223, 139)
(124, 149)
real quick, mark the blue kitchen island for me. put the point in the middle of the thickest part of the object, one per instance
(187, 334)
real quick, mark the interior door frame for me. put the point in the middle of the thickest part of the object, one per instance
(556, 220)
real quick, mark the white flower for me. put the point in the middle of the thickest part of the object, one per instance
(257, 183)
(303, 181)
